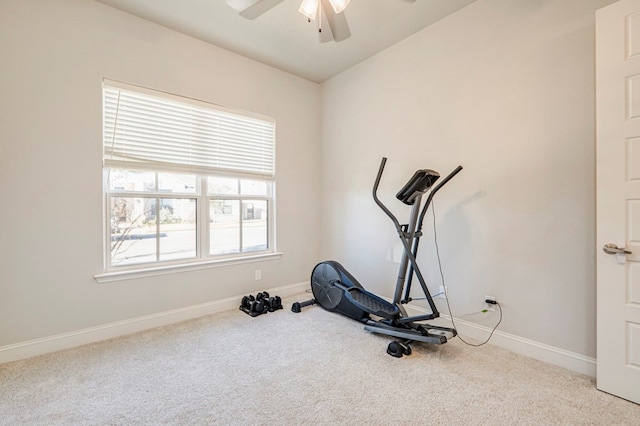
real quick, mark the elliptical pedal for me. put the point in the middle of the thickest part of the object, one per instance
(373, 304)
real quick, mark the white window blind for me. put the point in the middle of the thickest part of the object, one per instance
(156, 130)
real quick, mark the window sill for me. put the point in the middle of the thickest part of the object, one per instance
(171, 269)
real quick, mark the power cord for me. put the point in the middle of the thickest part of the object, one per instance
(446, 297)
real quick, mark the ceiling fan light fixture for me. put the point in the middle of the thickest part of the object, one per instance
(339, 5)
(309, 8)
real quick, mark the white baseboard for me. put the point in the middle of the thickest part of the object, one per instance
(540, 351)
(85, 336)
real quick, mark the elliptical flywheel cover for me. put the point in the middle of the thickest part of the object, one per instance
(324, 291)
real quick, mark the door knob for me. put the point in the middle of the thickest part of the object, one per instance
(614, 249)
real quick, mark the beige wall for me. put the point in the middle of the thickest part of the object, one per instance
(54, 56)
(506, 89)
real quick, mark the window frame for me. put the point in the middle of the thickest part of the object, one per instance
(203, 220)
(203, 257)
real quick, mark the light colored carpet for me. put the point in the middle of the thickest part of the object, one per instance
(284, 368)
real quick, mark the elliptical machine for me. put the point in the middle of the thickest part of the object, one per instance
(336, 290)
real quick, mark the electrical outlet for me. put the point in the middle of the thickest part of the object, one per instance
(258, 274)
(489, 306)
(441, 293)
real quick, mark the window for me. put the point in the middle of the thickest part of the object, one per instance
(185, 181)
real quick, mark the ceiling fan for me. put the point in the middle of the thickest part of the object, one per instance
(331, 11)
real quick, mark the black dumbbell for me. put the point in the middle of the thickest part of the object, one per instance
(271, 303)
(253, 305)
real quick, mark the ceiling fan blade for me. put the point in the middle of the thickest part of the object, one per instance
(337, 22)
(325, 35)
(251, 9)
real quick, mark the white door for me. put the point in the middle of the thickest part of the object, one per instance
(618, 198)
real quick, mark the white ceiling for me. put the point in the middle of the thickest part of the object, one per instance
(283, 38)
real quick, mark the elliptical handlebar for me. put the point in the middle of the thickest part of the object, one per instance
(433, 192)
(377, 200)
